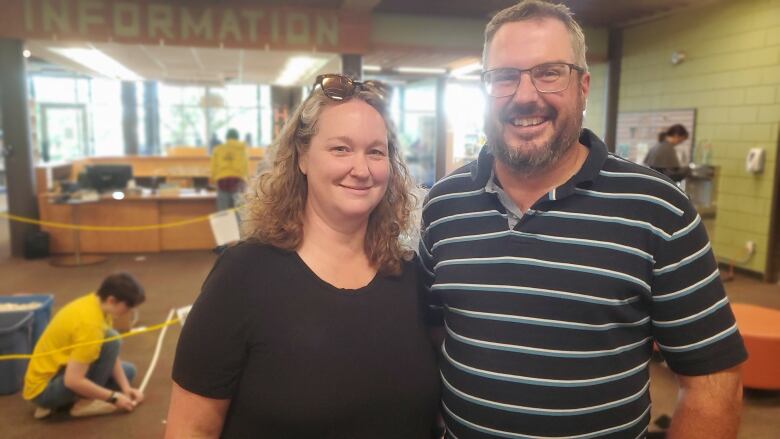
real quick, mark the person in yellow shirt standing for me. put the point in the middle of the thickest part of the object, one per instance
(229, 170)
(90, 376)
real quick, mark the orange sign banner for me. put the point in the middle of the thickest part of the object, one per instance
(226, 24)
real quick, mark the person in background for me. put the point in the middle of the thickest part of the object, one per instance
(90, 378)
(229, 170)
(556, 265)
(663, 157)
(312, 327)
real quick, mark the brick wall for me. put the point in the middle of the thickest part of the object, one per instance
(732, 76)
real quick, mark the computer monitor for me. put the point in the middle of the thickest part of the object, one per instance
(104, 178)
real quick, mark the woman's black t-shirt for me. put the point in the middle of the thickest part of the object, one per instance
(300, 358)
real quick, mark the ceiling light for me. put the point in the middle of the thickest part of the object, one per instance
(98, 62)
(371, 68)
(26, 53)
(469, 77)
(297, 68)
(465, 70)
(431, 70)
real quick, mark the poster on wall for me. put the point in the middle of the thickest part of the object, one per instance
(637, 132)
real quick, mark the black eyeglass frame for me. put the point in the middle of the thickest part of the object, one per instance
(572, 67)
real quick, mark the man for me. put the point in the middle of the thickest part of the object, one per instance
(229, 169)
(90, 376)
(557, 265)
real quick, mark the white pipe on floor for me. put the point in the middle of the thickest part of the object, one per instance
(157, 349)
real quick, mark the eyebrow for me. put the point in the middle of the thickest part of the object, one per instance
(347, 139)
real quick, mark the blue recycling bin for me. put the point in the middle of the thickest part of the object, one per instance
(16, 330)
(41, 315)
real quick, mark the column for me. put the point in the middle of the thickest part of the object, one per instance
(284, 100)
(441, 129)
(615, 55)
(151, 118)
(17, 147)
(352, 66)
(129, 118)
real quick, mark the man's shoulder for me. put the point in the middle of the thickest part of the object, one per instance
(623, 175)
(459, 180)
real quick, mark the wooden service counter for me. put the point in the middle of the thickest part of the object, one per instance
(132, 211)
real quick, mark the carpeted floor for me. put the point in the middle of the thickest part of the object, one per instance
(174, 279)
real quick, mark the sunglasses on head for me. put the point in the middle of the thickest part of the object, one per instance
(341, 88)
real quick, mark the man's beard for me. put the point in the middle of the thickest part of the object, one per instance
(528, 158)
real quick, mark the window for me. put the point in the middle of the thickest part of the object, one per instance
(200, 116)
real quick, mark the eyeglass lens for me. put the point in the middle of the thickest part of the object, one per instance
(337, 87)
(547, 78)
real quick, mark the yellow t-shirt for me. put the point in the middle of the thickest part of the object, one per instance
(79, 321)
(230, 160)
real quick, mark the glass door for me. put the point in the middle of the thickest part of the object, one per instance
(64, 132)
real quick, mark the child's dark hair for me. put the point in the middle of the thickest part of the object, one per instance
(122, 287)
(674, 130)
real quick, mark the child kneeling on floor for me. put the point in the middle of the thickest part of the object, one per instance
(89, 377)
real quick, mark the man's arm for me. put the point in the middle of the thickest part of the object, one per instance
(193, 416)
(119, 376)
(76, 380)
(708, 406)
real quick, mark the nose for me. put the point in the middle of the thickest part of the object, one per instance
(526, 91)
(360, 166)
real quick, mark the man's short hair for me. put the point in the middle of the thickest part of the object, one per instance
(536, 10)
(122, 287)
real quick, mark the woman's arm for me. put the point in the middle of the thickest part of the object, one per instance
(194, 416)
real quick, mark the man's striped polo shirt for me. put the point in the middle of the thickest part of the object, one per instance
(550, 325)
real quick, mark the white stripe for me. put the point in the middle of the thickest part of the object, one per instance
(509, 434)
(698, 343)
(576, 241)
(556, 323)
(542, 351)
(515, 288)
(472, 238)
(715, 305)
(643, 176)
(480, 214)
(547, 264)
(575, 215)
(542, 381)
(687, 289)
(453, 195)
(542, 411)
(450, 177)
(672, 267)
(687, 228)
(628, 196)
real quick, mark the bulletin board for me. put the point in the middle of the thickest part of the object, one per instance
(637, 132)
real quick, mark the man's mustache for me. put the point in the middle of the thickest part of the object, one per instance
(513, 111)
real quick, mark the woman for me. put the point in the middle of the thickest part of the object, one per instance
(663, 157)
(313, 327)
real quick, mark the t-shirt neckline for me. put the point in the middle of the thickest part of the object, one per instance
(328, 286)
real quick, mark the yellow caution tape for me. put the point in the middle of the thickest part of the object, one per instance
(89, 343)
(105, 228)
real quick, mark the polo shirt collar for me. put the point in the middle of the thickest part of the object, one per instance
(482, 172)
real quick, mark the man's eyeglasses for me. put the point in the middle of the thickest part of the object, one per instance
(546, 78)
(341, 88)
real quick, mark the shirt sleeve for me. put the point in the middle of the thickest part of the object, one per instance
(90, 334)
(213, 343)
(693, 324)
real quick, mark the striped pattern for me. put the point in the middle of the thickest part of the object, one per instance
(550, 325)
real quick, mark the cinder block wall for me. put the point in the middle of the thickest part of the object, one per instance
(732, 76)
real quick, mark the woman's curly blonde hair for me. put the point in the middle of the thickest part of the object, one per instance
(276, 201)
